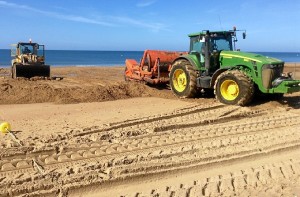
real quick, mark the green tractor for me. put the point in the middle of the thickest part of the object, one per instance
(213, 64)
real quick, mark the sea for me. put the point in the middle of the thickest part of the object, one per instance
(112, 58)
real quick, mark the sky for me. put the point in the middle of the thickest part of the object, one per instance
(135, 25)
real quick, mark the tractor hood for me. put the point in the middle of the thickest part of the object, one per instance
(246, 57)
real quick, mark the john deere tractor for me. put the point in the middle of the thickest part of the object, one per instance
(28, 60)
(213, 64)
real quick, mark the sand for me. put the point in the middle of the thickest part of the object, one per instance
(96, 135)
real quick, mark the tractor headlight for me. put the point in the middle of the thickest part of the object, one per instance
(273, 66)
(270, 72)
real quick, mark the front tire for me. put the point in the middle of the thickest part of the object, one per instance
(183, 79)
(14, 71)
(234, 88)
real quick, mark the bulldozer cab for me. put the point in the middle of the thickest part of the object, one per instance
(27, 53)
(27, 48)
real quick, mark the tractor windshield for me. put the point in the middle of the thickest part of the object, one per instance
(221, 43)
(217, 43)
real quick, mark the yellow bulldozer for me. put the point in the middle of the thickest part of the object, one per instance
(28, 60)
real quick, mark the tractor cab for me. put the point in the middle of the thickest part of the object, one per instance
(207, 46)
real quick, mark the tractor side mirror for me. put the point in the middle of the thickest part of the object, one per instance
(244, 35)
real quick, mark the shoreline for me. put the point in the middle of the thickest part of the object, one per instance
(120, 65)
(79, 65)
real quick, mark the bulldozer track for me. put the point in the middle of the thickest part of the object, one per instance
(195, 136)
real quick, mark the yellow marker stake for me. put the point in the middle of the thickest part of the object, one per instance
(5, 128)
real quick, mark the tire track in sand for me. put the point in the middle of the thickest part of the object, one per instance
(166, 148)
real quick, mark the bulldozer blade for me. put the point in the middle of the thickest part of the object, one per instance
(29, 71)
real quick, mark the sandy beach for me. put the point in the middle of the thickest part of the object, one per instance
(94, 134)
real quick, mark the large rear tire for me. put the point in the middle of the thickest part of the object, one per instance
(183, 79)
(234, 88)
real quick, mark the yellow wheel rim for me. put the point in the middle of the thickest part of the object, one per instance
(5, 127)
(229, 90)
(179, 80)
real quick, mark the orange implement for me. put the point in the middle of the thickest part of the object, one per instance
(154, 67)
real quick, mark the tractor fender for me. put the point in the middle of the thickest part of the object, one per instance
(187, 58)
(223, 69)
(216, 74)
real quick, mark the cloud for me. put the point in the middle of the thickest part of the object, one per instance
(108, 21)
(155, 27)
(57, 15)
(83, 20)
(145, 3)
